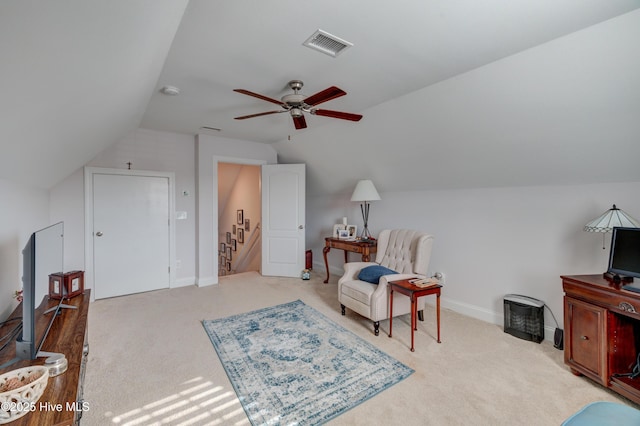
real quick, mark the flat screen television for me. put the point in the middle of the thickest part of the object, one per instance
(624, 255)
(42, 256)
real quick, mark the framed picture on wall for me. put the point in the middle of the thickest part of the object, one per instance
(228, 266)
(240, 217)
(234, 246)
(229, 253)
(246, 225)
(240, 235)
(228, 237)
(233, 230)
(223, 247)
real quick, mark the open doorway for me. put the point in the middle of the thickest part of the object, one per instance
(239, 214)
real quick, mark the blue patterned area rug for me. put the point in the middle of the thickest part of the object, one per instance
(291, 365)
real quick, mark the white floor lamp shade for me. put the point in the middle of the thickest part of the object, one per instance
(364, 192)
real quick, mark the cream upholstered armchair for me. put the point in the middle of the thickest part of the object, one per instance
(404, 251)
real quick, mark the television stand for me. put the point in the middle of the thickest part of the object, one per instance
(602, 332)
(68, 336)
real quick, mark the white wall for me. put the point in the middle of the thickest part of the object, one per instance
(66, 206)
(164, 152)
(23, 210)
(491, 242)
(146, 150)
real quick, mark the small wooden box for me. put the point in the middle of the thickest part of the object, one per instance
(74, 283)
(66, 285)
(56, 286)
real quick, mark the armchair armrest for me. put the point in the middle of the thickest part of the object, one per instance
(352, 269)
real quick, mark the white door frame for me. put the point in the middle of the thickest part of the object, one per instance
(214, 218)
(89, 172)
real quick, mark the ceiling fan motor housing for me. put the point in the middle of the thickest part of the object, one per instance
(294, 99)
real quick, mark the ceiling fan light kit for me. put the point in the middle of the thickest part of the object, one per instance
(296, 104)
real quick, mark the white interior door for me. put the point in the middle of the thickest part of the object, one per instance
(130, 234)
(283, 219)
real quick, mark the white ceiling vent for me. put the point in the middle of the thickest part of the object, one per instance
(327, 43)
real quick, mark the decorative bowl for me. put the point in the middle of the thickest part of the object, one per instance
(20, 389)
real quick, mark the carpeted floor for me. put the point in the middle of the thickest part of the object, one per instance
(150, 363)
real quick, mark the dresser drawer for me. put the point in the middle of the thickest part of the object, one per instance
(620, 301)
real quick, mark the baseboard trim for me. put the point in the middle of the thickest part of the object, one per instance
(462, 308)
(320, 268)
(206, 281)
(184, 282)
(482, 314)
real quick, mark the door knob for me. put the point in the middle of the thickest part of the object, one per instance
(98, 234)
(300, 227)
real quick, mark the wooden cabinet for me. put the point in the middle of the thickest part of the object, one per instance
(585, 350)
(602, 332)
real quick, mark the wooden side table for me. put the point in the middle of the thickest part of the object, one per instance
(414, 292)
(364, 248)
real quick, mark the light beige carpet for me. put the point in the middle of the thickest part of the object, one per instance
(151, 363)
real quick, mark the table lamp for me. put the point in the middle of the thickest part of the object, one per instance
(364, 192)
(610, 219)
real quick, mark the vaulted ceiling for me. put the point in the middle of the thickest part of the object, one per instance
(447, 81)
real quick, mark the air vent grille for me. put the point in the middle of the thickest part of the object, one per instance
(327, 43)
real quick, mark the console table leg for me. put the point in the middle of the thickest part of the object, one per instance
(326, 264)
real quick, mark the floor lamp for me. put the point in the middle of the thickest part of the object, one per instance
(365, 191)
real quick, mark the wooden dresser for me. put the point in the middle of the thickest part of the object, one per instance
(602, 332)
(61, 403)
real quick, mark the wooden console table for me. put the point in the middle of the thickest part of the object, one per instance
(365, 248)
(602, 332)
(61, 402)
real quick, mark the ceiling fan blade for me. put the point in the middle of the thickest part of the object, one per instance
(336, 114)
(259, 114)
(324, 96)
(300, 122)
(259, 96)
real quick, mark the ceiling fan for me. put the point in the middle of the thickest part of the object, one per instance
(296, 104)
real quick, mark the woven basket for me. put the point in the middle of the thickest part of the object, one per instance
(22, 389)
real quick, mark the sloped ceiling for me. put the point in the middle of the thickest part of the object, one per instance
(435, 80)
(77, 76)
